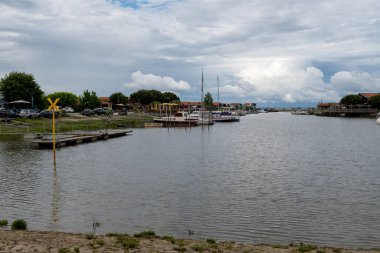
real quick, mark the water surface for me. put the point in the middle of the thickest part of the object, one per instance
(271, 177)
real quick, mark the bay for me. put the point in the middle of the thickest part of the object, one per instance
(270, 178)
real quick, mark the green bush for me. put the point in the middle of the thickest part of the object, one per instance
(19, 224)
(3, 223)
(146, 234)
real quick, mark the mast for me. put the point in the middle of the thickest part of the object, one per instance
(202, 98)
(217, 80)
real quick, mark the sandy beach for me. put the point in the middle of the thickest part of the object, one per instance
(33, 241)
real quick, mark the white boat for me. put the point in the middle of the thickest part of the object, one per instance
(299, 112)
(225, 117)
(378, 119)
(179, 119)
(202, 117)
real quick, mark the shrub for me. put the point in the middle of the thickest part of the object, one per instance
(306, 247)
(210, 241)
(19, 224)
(3, 223)
(146, 234)
(128, 242)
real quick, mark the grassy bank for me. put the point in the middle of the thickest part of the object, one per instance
(73, 123)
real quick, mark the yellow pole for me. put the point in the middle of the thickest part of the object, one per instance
(54, 135)
(53, 107)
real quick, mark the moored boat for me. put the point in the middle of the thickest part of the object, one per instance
(225, 117)
(180, 119)
(202, 117)
(378, 119)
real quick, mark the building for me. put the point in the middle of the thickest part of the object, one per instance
(368, 95)
(105, 102)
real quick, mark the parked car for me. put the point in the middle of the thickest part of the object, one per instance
(48, 114)
(29, 113)
(88, 112)
(99, 111)
(68, 109)
(8, 113)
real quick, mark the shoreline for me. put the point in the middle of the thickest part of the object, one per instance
(147, 241)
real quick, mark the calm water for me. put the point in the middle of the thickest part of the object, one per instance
(269, 178)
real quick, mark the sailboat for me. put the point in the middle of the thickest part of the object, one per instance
(224, 116)
(202, 116)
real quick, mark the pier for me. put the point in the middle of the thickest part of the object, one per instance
(78, 138)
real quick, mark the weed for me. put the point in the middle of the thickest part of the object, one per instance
(64, 250)
(169, 239)
(306, 247)
(128, 242)
(116, 234)
(146, 234)
(180, 249)
(279, 246)
(76, 249)
(336, 250)
(100, 242)
(199, 247)
(210, 241)
(90, 236)
(3, 223)
(19, 224)
(321, 251)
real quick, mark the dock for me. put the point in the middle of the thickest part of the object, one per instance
(63, 140)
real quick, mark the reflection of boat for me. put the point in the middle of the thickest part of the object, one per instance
(202, 117)
(299, 112)
(177, 120)
(225, 117)
(378, 119)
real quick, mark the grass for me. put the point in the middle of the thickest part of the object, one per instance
(336, 250)
(100, 242)
(169, 239)
(90, 236)
(199, 247)
(210, 241)
(306, 247)
(64, 250)
(68, 123)
(128, 242)
(146, 234)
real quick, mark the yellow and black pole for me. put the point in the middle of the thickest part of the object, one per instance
(53, 107)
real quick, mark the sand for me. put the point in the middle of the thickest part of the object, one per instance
(33, 241)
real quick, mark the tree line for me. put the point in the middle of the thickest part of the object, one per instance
(23, 86)
(354, 99)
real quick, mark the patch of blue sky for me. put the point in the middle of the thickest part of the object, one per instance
(138, 4)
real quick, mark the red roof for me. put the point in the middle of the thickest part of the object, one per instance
(369, 94)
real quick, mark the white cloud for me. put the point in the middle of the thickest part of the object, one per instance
(150, 81)
(264, 51)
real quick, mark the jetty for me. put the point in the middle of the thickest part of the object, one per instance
(71, 139)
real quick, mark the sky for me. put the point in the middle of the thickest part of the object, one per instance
(273, 52)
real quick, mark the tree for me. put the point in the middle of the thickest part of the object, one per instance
(65, 99)
(21, 86)
(168, 97)
(208, 99)
(352, 100)
(146, 97)
(118, 98)
(89, 100)
(375, 101)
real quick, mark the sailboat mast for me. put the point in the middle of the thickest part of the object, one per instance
(202, 98)
(217, 80)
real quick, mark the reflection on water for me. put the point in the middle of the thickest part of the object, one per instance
(55, 199)
(269, 178)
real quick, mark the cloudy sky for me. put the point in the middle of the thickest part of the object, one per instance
(273, 52)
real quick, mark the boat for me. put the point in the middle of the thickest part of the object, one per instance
(180, 119)
(378, 119)
(202, 117)
(225, 117)
(299, 112)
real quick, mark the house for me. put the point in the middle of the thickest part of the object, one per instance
(368, 95)
(106, 103)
